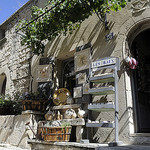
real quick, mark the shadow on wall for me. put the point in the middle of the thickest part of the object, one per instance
(10, 128)
(14, 131)
(102, 47)
(104, 135)
(63, 47)
(6, 124)
(93, 33)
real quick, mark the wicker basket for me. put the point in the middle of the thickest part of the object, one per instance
(55, 134)
(37, 105)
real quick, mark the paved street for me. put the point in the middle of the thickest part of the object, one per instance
(9, 147)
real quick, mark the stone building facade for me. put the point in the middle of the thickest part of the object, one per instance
(128, 32)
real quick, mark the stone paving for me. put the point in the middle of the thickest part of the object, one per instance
(102, 147)
(9, 147)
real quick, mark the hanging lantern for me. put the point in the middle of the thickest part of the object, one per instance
(132, 63)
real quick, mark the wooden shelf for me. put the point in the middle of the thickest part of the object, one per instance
(101, 124)
(26, 112)
(102, 91)
(73, 106)
(103, 78)
(101, 107)
(73, 122)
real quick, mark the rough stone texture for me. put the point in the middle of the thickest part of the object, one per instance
(37, 145)
(14, 63)
(14, 131)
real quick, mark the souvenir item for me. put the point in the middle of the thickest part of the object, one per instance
(59, 116)
(132, 63)
(70, 100)
(56, 123)
(86, 87)
(77, 92)
(82, 60)
(49, 115)
(70, 114)
(81, 113)
(81, 77)
(60, 96)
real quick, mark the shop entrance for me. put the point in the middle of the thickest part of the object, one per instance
(140, 50)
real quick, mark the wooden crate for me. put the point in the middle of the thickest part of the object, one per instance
(55, 134)
(37, 105)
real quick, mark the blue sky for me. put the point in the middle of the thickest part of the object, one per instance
(8, 7)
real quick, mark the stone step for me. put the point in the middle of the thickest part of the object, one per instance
(81, 146)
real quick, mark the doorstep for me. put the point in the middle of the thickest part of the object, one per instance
(56, 145)
(43, 145)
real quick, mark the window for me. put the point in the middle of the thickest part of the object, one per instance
(2, 36)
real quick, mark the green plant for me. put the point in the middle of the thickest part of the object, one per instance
(10, 104)
(16, 103)
(5, 101)
(61, 16)
(2, 101)
(65, 125)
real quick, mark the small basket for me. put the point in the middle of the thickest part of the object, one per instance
(55, 134)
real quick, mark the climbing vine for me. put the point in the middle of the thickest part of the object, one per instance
(61, 16)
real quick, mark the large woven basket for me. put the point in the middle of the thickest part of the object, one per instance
(55, 134)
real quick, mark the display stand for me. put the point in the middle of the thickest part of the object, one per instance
(113, 64)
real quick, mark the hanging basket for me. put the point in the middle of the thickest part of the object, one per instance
(36, 105)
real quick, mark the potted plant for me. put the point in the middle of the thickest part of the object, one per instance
(3, 106)
(9, 105)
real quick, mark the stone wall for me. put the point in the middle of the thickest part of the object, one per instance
(14, 131)
(15, 62)
(15, 58)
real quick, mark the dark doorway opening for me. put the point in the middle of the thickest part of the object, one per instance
(69, 82)
(140, 50)
(4, 86)
(68, 74)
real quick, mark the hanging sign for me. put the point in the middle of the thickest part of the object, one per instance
(109, 36)
(104, 62)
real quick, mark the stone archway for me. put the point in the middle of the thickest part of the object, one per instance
(137, 46)
(140, 50)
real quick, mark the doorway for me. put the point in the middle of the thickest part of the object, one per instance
(68, 75)
(140, 50)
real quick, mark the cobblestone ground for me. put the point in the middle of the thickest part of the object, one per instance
(9, 147)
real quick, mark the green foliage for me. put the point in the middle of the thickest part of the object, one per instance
(65, 124)
(11, 105)
(61, 16)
